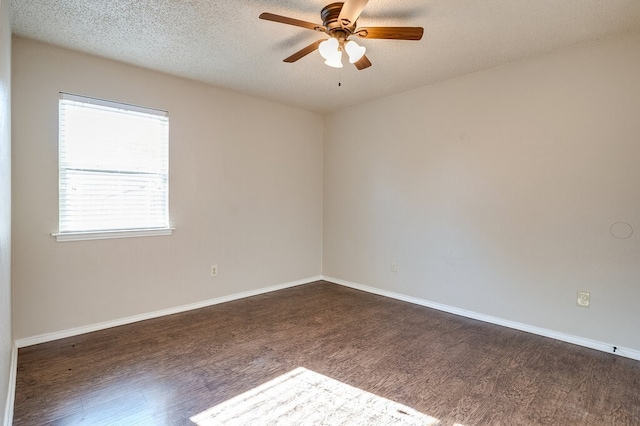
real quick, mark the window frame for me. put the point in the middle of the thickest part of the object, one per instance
(111, 233)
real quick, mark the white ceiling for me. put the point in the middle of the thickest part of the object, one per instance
(225, 44)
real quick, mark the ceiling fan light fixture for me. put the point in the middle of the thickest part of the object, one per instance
(354, 51)
(329, 48)
(336, 60)
(330, 51)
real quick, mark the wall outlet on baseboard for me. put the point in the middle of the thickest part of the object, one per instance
(214, 270)
(583, 299)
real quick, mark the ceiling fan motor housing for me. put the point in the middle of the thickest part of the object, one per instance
(330, 15)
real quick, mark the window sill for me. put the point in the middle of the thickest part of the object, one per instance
(104, 235)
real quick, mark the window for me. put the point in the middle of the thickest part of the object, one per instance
(114, 170)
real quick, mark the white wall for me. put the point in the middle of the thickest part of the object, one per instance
(6, 339)
(245, 194)
(495, 192)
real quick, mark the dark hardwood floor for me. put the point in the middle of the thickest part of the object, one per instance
(461, 371)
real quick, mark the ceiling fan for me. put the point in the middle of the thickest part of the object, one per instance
(339, 23)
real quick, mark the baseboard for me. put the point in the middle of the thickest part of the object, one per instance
(601, 346)
(48, 337)
(11, 392)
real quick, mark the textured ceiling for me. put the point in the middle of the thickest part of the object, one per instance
(225, 44)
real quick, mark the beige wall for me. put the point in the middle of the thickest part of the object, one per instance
(6, 339)
(245, 194)
(495, 192)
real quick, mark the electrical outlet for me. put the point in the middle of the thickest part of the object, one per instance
(394, 267)
(214, 270)
(583, 299)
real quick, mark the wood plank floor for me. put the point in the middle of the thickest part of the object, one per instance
(458, 370)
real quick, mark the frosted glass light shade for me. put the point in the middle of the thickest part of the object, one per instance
(354, 51)
(328, 48)
(336, 60)
(330, 51)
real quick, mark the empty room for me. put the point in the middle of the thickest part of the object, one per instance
(301, 212)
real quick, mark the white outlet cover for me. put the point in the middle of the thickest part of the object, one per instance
(584, 299)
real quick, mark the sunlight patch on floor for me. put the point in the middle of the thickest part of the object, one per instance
(303, 397)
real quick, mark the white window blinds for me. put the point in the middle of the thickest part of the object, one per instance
(114, 164)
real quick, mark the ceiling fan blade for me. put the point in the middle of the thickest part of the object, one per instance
(291, 21)
(350, 12)
(363, 63)
(304, 52)
(395, 33)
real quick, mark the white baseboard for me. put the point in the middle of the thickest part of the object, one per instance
(48, 337)
(601, 346)
(11, 392)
